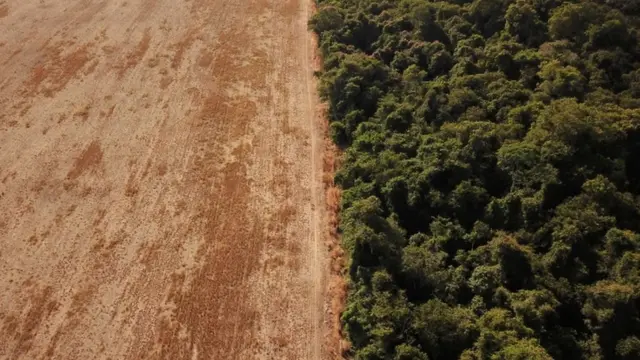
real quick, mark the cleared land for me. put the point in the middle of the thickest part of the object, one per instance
(160, 181)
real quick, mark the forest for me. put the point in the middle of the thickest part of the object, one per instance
(490, 176)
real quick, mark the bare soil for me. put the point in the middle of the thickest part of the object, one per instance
(161, 181)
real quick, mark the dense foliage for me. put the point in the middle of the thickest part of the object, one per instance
(491, 175)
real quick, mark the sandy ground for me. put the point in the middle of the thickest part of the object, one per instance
(160, 181)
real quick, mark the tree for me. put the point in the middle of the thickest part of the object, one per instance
(561, 81)
(571, 20)
(523, 22)
(444, 331)
(523, 350)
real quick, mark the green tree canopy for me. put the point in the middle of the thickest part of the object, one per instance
(491, 185)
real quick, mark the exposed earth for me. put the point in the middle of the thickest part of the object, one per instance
(161, 187)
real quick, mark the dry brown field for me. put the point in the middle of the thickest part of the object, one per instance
(160, 181)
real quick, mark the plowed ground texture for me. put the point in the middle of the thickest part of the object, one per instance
(160, 181)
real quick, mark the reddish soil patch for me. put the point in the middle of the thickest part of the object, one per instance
(4, 10)
(90, 157)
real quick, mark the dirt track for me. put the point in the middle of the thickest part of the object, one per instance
(160, 181)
